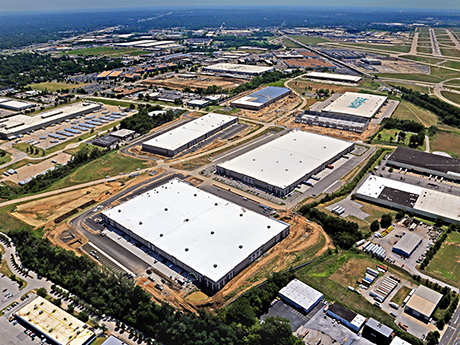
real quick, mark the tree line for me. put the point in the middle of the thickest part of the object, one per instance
(104, 292)
(142, 123)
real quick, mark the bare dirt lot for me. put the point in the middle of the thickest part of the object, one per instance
(201, 82)
(397, 66)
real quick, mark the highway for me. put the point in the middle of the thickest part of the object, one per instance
(452, 333)
(434, 44)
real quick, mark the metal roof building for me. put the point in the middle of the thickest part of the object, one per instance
(357, 104)
(346, 316)
(209, 237)
(422, 201)
(334, 77)
(14, 104)
(407, 244)
(187, 135)
(10, 127)
(280, 165)
(56, 324)
(423, 303)
(232, 68)
(427, 163)
(262, 98)
(300, 295)
(377, 332)
(398, 341)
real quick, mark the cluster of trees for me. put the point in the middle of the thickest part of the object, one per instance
(109, 293)
(433, 250)
(26, 68)
(257, 39)
(449, 114)
(385, 222)
(210, 90)
(41, 182)
(343, 232)
(402, 125)
(266, 78)
(142, 123)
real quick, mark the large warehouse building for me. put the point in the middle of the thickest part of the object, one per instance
(231, 68)
(209, 237)
(423, 303)
(300, 295)
(424, 162)
(55, 324)
(14, 104)
(182, 137)
(334, 77)
(377, 332)
(351, 111)
(421, 201)
(280, 165)
(348, 317)
(407, 244)
(262, 98)
(11, 127)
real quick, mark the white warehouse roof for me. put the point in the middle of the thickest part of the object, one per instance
(301, 294)
(190, 131)
(335, 76)
(408, 243)
(357, 104)
(55, 323)
(287, 159)
(209, 234)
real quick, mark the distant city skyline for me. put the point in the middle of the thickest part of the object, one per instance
(48, 5)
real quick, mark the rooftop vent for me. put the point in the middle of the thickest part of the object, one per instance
(119, 210)
(186, 220)
(215, 265)
(161, 235)
(212, 232)
(268, 226)
(186, 249)
(140, 223)
(241, 246)
(166, 209)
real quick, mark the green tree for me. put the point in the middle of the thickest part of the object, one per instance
(83, 316)
(439, 222)
(386, 220)
(42, 292)
(375, 226)
(433, 338)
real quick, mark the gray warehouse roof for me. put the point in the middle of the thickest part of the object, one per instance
(301, 294)
(379, 327)
(408, 243)
(261, 97)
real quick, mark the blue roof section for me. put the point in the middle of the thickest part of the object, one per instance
(268, 93)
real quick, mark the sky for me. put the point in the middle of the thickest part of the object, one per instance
(40, 5)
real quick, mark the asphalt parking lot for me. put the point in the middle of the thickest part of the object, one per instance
(296, 318)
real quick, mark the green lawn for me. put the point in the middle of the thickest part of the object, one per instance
(5, 157)
(418, 88)
(444, 264)
(408, 111)
(53, 87)
(454, 97)
(401, 295)
(109, 165)
(378, 47)
(450, 52)
(10, 222)
(422, 59)
(431, 78)
(108, 51)
(32, 151)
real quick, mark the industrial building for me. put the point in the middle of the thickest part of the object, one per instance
(398, 341)
(407, 244)
(11, 127)
(280, 165)
(349, 318)
(300, 295)
(113, 340)
(55, 324)
(182, 137)
(209, 237)
(262, 98)
(377, 332)
(418, 200)
(334, 77)
(426, 163)
(14, 104)
(350, 111)
(356, 104)
(230, 68)
(423, 303)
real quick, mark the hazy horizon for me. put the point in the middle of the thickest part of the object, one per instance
(28, 6)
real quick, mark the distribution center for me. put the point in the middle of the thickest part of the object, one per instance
(280, 165)
(182, 137)
(211, 238)
(262, 98)
(300, 295)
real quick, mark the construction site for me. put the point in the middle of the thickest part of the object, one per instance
(193, 82)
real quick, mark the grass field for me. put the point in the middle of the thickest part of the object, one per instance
(108, 51)
(32, 151)
(53, 87)
(6, 158)
(450, 52)
(111, 102)
(333, 275)
(9, 222)
(289, 44)
(309, 40)
(418, 88)
(401, 295)
(416, 77)
(454, 97)
(446, 142)
(408, 111)
(109, 165)
(384, 48)
(444, 264)
(424, 49)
